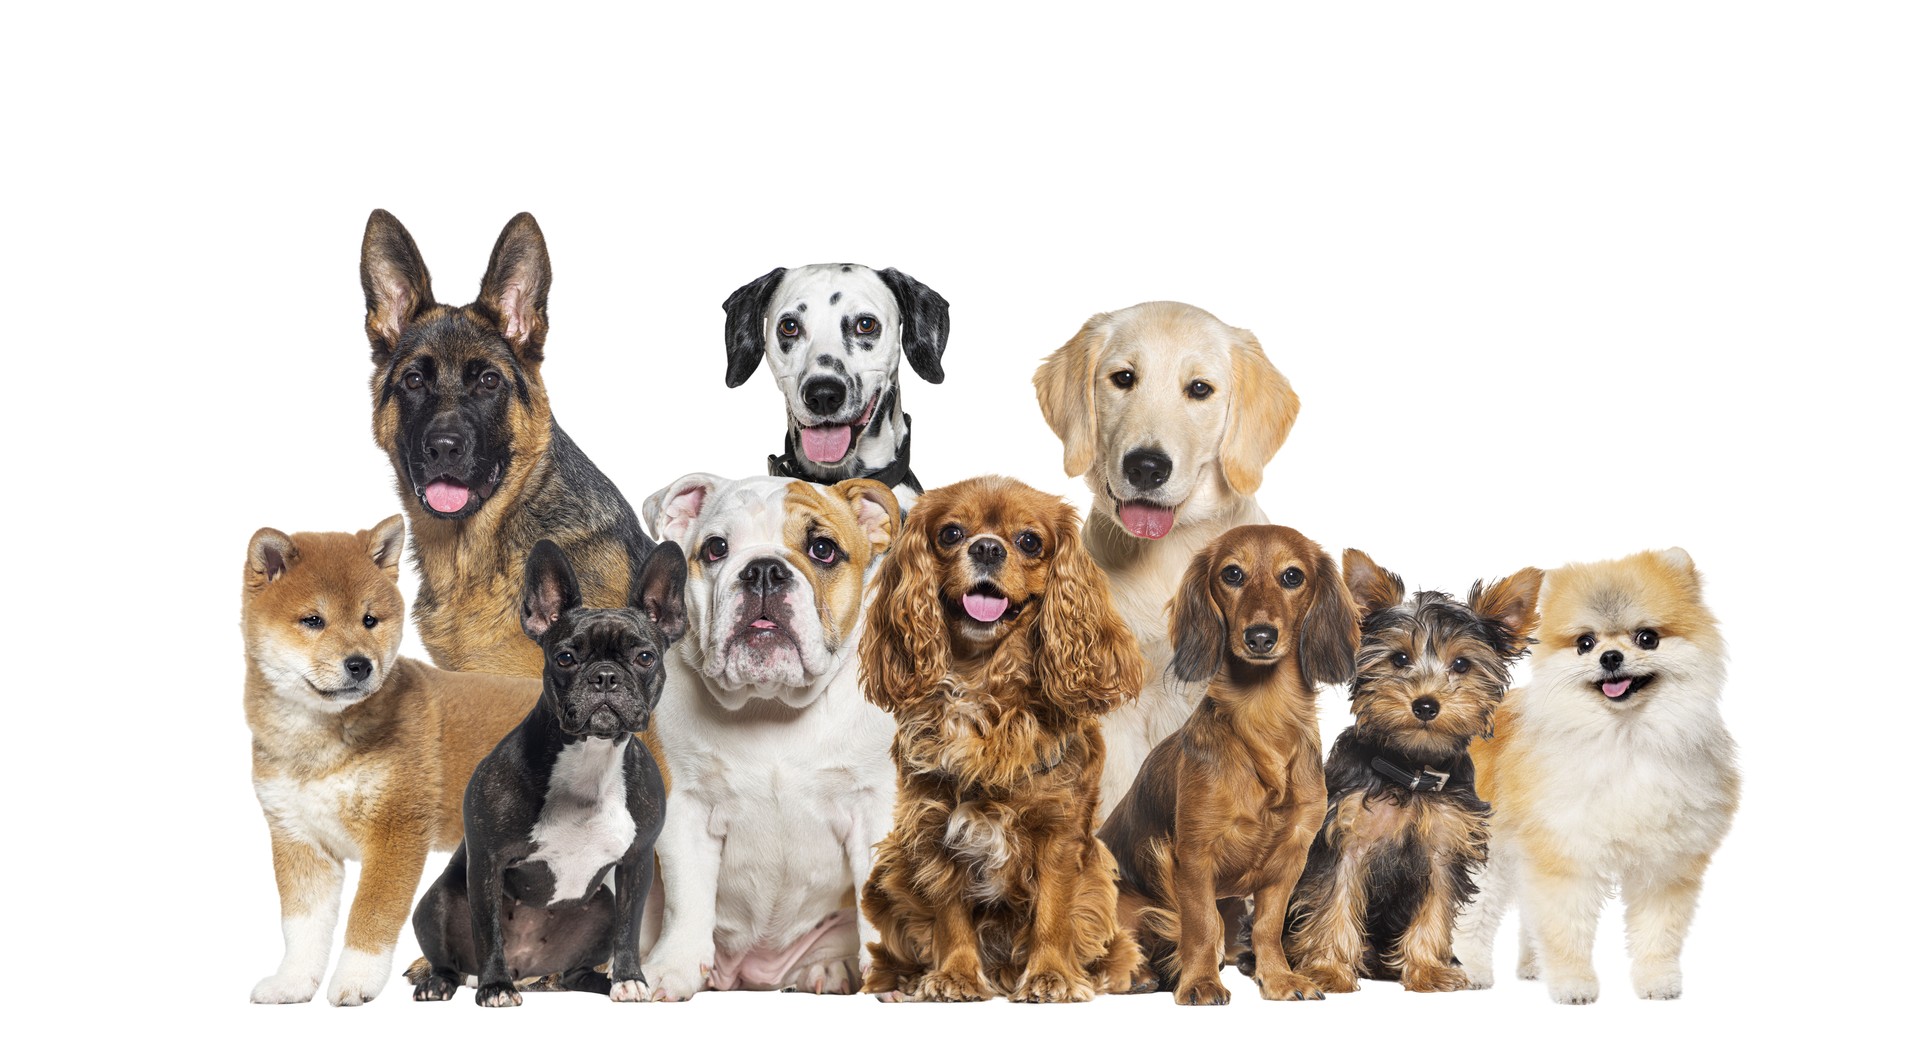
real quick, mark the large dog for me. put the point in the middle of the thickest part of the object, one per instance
(833, 336)
(481, 466)
(782, 782)
(1171, 416)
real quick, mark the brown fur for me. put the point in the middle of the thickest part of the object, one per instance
(992, 881)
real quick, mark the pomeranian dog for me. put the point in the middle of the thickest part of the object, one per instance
(1612, 769)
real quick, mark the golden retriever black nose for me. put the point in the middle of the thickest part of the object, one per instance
(1146, 469)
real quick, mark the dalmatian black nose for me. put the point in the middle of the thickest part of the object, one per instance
(825, 395)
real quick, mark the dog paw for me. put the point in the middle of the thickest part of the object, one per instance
(1659, 983)
(1330, 979)
(941, 987)
(1435, 979)
(434, 989)
(891, 996)
(677, 982)
(285, 988)
(629, 992)
(1528, 969)
(1574, 990)
(1287, 986)
(359, 977)
(837, 977)
(1050, 987)
(1245, 963)
(497, 995)
(1478, 977)
(1206, 992)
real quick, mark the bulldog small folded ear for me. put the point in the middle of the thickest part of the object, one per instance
(659, 590)
(385, 543)
(875, 509)
(1373, 587)
(269, 554)
(671, 511)
(1064, 385)
(747, 325)
(923, 323)
(394, 279)
(515, 288)
(551, 590)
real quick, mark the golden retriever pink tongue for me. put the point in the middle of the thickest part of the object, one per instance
(1616, 687)
(984, 607)
(446, 496)
(1146, 521)
(826, 445)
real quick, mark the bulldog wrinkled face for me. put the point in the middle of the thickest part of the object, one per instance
(833, 340)
(603, 671)
(995, 549)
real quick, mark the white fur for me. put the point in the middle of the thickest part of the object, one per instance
(584, 824)
(309, 938)
(359, 976)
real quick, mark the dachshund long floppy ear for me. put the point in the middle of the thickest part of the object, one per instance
(904, 653)
(1064, 384)
(1260, 412)
(1196, 625)
(747, 325)
(923, 323)
(1086, 656)
(1509, 606)
(1330, 631)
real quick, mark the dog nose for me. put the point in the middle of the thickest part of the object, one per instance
(987, 552)
(1261, 639)
(358, 667)
(606, 679)
(1146, 469)
(824, 396)
(765, 575)
(444, 445)
(1425, 707)
(1612, 658)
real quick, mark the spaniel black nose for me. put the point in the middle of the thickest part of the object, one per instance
(1146, 469)
(1425, 708)
(1262, 638)
(987, 553)
(824, 395)
(765, 575)
(1612, 658)
(358, 667)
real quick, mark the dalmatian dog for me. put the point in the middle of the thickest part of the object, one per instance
(833, 336)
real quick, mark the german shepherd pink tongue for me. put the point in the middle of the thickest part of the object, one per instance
(826, 445)
(984, 607)
(447, 496)
(1615, 688)
(1146, 520)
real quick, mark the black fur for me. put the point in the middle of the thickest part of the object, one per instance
(923, 323)
(746, 338)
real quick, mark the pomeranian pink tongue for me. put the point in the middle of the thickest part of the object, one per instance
(1616, 687)
(826, 445)
(1143, 520)
(984, 607)
(447, 496)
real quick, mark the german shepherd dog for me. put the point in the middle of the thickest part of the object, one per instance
(481, 466)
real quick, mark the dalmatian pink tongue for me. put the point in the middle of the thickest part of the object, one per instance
(984, 607)
(828, 444)
(1616, 688)
(447, 495)
(1145, 520)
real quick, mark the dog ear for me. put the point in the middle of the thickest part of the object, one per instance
(747, 325)
(875, 508)
(1064, 383)
(1195, 623)
(385, 543)
(1681, 562)
(1085, 655)
(551, 590)
(659, 590)
(269, 554)
(1330, 631)
(394, 279)
(923, 323)
(670, 512)
(515, 288)
(904, 653)
(1260, 412)
(1509, 605)
(1373, 588)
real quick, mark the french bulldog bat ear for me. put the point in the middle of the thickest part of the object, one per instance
(671, 511)
(1373, 587)
(659, 590)
(923, 323)
(515, 288)
(1261, 409)
(269, 554)
(1064, 383)
(1510, 603)
(551, 590)
(394, 279)
(747, 325)
(875, 508)
(384, 544)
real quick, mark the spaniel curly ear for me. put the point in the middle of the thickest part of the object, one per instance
(1085, 656)
(1196, 625)
(1330, 631)
(904, 653)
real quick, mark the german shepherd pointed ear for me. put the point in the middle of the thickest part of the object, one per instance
(659, 590)
(1373, 587)
(1195, 623)
(269, 554)
(515, 288)
(746, 325)
(1330, 631)
(394, 279)
(1261, 410)
(384, 544)
(923, 323)
(551, 589)
(1064, 385)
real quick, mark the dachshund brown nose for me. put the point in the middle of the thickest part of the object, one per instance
(1262, 638)
(1425, 708)
(988, 553)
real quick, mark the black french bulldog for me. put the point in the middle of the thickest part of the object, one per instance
(566, 797)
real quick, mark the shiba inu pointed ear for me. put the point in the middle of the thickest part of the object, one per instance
(1373, 587)
(659, 590)
(394, 279)
(551, 589)
(923, 323)
(269, 554)
(384, 544)
(747, 325)
(515, 288)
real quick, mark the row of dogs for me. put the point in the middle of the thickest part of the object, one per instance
(1102, 770)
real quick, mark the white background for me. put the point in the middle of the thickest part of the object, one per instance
(1553, 284)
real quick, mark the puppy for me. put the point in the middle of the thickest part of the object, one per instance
(1171, 417)
(1612, 768)
(781, 781)
(833, 336)
(1404, 829)
(569, 796)
(482, 468)
(1228, 805)
(993, 641)
(358, 753)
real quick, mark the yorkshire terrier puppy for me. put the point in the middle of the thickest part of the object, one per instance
(1405, 831)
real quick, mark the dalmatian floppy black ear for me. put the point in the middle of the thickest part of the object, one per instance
(923, 323)
(746, 325)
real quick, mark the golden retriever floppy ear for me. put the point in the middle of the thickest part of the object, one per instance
(904, 654)
(1260, 412)
(1085, 656)
(1196, 625)
(1064, 384)
(1509, 605)
(1330, 632)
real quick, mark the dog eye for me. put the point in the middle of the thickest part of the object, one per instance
(789, 327)
(563, 658)
(1028, 542)
(1199, 389)
(490, 380)
(1584, 644)
(824, 550)
(1122, 379)
(1646, 638)
(866, 326)
(646, 658)
(369, 621)
(312, 623)
(951, 535)
(715, 549)
(1233, 575)
(1292, 578)
(1401, 660)
(1461, 666)
(413, 380)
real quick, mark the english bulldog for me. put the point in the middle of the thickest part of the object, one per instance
(783, 781)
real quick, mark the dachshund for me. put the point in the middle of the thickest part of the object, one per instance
(993, 641)
(1227, 806)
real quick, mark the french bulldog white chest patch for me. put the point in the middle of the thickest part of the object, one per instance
(584, 826)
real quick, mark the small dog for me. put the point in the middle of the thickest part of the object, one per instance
(993, 641)
(833, 336)
(1171, 416)
(358, 753)
(1404, 828)
(1612, 768)
(481, 466)
(782, 785)
(1227, 806)
(569, 796)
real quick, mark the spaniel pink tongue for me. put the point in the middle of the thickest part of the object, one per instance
(826, 445)
(1615, 688)
(446, 496)
(1146, 521)
(983, 607)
